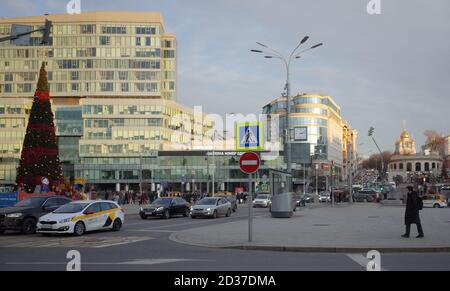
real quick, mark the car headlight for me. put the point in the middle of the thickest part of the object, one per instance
(192, 208)
(160, 209)
(141, 209)
(208, 209)
(65, 220)
(14, 215)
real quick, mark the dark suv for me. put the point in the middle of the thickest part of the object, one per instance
(24, 215)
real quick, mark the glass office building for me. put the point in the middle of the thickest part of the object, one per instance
(317, 133)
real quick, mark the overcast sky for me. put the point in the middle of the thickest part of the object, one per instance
(381, 69)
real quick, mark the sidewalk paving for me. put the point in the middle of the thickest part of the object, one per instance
(339, 228)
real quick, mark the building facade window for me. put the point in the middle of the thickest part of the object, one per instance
(418, 167)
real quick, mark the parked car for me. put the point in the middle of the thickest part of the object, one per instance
(24, 215)
(165, 207)
(434, 200)
(78, 217)
(232, 199)
(262, 200)
(365, 195)
(324, 196)
(303, 199)
(211, 207)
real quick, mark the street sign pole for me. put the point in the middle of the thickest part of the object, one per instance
(250, 208)
(249, 163)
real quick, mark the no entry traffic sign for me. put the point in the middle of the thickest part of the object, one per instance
(249, 162)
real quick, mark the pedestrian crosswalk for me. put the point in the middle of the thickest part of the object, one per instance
(21, 241)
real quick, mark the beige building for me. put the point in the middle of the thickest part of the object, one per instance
(349, 151)
(406, 162)
(102, 53)
(113, 80)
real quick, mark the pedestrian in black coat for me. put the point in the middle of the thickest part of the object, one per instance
(412, 213)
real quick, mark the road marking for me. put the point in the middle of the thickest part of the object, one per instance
(81, 242)
(156, 261)
(134, 262)
(189, 223)
(361, 260)
(153, 230)
(122, 243)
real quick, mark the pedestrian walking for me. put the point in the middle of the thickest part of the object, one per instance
(414, 203)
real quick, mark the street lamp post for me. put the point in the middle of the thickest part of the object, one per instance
(140, 173)
(371, 130)
(213, 138)
(273, 54)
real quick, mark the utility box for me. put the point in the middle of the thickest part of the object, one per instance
(282, 205)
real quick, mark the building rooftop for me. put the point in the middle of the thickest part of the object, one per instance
(91, 16)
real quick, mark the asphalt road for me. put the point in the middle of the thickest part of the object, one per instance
(144, 245)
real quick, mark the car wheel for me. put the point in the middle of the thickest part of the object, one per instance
(2, 231)
(29, 226)
(436, 206)
(143, 216)
(193, 216)
(186, 212)
(166, 214)
(79, 228)
(214, 214)
(117, 225)
(228, 213)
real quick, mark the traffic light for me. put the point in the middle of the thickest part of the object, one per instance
(371, 129)
(46, 32)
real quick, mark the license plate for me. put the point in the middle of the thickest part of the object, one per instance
(47, 226)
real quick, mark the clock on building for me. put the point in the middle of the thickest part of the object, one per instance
(301, 133)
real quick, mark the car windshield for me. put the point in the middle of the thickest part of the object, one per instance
(262, 197)
(71, 208)
(162, 201)
(31, 202)
(207, 201)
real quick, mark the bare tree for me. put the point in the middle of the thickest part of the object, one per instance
(435, 141)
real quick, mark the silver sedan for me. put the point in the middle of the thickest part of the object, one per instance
(211, 207)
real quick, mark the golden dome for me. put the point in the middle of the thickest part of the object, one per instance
(404, 135)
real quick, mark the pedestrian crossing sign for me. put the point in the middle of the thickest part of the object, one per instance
(249, 136)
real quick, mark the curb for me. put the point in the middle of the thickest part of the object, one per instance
(340, 250)
(173, 237)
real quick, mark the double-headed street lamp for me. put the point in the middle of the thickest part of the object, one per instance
(273, 54)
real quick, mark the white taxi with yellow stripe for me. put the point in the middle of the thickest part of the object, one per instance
(78, 217)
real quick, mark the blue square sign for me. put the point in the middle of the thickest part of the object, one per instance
(248, 136)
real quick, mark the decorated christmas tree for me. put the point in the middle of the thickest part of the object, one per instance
(39, 162)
